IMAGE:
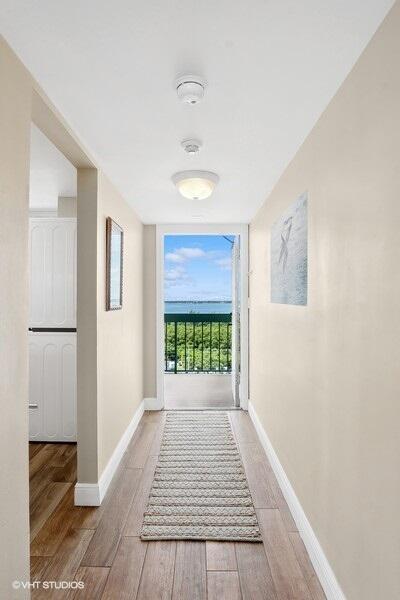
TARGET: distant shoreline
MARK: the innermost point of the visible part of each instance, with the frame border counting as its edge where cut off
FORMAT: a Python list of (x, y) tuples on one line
[(198, 306), (198, 301)]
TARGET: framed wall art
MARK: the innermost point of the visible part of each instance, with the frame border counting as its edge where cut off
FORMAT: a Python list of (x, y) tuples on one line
[(114, 266), (289, 269)]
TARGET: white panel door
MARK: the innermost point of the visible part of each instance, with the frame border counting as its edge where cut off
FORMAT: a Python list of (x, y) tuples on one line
[(52, 387), (52, 272)]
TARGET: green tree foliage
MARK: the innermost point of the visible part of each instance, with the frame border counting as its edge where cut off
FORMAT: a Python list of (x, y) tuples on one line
[(200, 346)]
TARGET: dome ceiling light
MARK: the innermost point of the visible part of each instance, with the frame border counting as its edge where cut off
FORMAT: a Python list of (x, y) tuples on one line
[(195, 185), (190, 88)]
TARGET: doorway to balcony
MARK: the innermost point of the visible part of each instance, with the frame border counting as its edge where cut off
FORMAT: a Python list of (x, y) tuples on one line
[(202, 316)]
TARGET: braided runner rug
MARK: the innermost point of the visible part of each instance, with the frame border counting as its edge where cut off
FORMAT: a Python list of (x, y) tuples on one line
[(199, 490)]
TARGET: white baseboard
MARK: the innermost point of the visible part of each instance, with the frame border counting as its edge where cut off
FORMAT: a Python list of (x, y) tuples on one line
[(92, 494), (152, 404), (87, 494), (321, 565)]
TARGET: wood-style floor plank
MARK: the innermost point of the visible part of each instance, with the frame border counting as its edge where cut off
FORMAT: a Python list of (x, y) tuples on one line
[(190, 571), (223, 585), (257, 476), (156, 443), (90, 516), (39, 483), (39, 565), (124, 577), (94, 579), (34, 448), (64, 454), (304, 561), (103, 547), (45, 504), (301, 555), (134, 521), (139, 450), (153, 416), (158, 572), (138, 432), (246, 434), (56, 527), (279, 497), (42, 458), (315, 588), (243, 427), (221, 556), (288, 578), (66, 472), (65, 563), (254, 572)]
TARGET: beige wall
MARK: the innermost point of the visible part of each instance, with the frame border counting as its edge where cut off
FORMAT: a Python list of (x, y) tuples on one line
[(150, 311), (15, 110), (110, 345), (120, 332), (86, 320), (325, 378), (67, 207)]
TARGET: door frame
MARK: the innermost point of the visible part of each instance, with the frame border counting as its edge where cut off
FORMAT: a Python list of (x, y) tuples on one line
[(238, 229)]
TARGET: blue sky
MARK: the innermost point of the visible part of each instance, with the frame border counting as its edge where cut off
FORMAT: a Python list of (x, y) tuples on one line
[(197, 267)]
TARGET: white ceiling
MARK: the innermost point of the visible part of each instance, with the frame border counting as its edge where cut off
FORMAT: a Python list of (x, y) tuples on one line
[(51, 174), (271, 65)]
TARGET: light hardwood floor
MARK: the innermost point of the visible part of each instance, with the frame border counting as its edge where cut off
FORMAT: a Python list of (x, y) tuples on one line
[(101, 546)]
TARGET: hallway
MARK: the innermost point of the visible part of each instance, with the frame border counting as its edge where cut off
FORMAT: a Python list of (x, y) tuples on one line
[(101, 546), (200, 213)]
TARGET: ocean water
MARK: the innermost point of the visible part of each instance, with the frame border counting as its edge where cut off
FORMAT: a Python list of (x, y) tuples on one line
[(198, 307)]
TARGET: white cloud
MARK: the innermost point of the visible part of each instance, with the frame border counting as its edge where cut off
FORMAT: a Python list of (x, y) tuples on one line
[(191, 252), (181, 255), (175, 273), (174, 257), (176, 276)]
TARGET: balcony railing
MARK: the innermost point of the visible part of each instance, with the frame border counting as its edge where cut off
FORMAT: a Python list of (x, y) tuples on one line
[(198, 343)]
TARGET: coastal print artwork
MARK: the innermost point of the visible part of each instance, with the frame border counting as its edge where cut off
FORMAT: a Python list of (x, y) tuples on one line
[(289, 255)]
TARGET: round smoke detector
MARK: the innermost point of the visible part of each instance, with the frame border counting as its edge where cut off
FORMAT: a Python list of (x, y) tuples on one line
[(190, 88), (191, 147)]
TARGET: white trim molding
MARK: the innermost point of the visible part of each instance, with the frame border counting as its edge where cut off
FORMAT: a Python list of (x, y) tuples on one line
[(92, 494), (87, 494), (43, 213), (152, 404), (317, 556)]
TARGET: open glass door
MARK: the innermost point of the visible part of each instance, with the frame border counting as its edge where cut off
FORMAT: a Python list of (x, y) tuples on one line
[(236, 321)]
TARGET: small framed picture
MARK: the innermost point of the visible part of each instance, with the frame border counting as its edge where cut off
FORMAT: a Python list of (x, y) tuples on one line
[(114, 268)]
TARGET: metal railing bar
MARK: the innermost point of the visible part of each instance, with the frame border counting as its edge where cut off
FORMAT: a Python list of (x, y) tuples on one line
[(219, 346), (193, 341), (166, 346), (185, 347), (229, 334), (202, 346), (197, 317)]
